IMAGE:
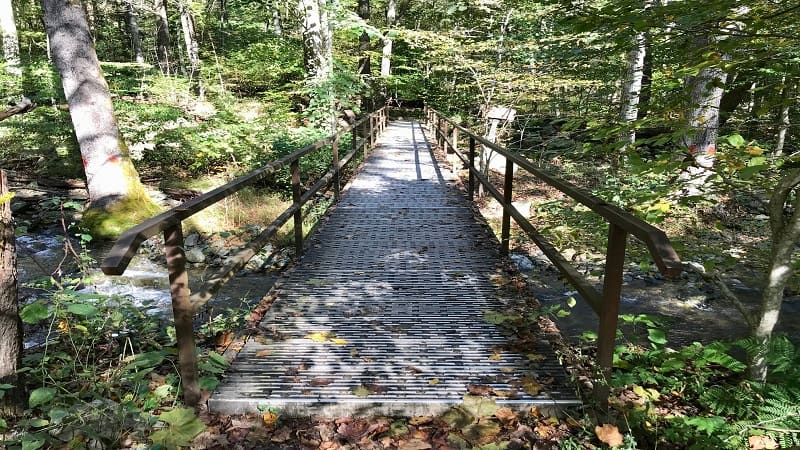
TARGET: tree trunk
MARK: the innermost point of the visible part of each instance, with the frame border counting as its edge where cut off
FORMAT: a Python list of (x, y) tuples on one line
[(277, 25), (133, 29), (10, 323), (326, 26), (647, 80), (783, 120), (632, 86), (162, 36), (364, 63), (190, 38), (315, 39), (10, 40), (785, 235), (705, 93), (386, 58), (111, 179)]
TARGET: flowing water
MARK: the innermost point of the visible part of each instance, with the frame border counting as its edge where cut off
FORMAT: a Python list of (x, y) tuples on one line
[(145, 281)]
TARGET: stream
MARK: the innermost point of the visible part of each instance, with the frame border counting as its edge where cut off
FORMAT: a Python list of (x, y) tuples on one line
[(145, 281)]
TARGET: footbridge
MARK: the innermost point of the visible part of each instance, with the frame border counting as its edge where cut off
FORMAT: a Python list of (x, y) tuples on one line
[(392, 305)]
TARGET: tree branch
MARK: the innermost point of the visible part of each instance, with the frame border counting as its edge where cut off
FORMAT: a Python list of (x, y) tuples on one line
[(23, 106), (715, 279)]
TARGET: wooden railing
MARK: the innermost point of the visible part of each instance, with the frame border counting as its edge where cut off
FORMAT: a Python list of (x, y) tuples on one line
[(621, 224), (184, 303)]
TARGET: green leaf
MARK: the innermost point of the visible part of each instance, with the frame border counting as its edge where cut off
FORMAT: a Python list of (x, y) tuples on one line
[(82, 309), (657, 336), (57, 414), (41, 396), (3, 424), (34, 312), (32, 441), (735, 140), (183, 427), (571, 302), (208, 383), (38, 423), (707, 424)]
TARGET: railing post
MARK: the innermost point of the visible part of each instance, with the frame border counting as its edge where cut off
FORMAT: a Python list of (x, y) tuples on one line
[(505, 233), (371, 131), (336, 180), (183, 314), (439, 132), (454, 148), (609, 313), (298, 215), (365, 136), (354, 136), (471, 168)]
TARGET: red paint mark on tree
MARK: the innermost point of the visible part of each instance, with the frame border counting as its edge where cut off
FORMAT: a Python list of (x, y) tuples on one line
[(113, 159), (711, 150), (85, 163), (692, 149)]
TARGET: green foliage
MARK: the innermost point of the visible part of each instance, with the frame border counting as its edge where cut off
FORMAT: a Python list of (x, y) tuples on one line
[(182, 426), (279, 61), (707, 377)]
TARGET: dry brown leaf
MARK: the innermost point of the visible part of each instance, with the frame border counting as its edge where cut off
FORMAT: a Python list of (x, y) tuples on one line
[(506, 415), (282, 435), (414, 444), (530, 386), (762, 443), (320, 381), (609, 434), (262, 353), (420, 420), (480, 389), (495, 356)]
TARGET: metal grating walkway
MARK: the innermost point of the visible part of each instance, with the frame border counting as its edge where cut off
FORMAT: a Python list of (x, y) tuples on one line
[(384, 312)]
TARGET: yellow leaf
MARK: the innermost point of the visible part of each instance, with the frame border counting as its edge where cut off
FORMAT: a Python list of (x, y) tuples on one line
[(609, 434), (338, 341), (319, 336), (270, 418), (754, 150), (434, 381), (495, 356)]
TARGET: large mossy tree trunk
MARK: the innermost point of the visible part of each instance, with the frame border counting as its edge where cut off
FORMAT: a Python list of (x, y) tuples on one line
[(10, 323), (117, 198)]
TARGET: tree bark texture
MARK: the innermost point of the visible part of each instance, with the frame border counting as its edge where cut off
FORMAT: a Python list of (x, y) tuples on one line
[(133, 29), (364, 63), (386, 58), (10, 323), (783, 119), (632, 86), (190, 38), (785, 235), (162, 36), (110, 175), (315, 39), (10, 39), (705, 93)]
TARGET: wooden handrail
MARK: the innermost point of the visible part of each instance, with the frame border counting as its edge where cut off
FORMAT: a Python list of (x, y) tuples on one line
[(184, 304), (621, 223)]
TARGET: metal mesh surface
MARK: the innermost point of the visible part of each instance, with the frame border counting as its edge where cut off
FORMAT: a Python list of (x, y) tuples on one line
[(384, 314)]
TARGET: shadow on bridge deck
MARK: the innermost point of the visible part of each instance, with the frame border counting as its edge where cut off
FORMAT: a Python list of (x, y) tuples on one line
[(384, 314)]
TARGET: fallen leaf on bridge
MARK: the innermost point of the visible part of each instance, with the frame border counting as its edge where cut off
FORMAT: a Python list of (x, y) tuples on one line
[(414, 444), (320, 381), (480, 389), (262, 353)]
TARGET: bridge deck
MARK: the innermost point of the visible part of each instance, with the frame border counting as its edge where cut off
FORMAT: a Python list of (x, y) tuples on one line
[(384, 314)]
